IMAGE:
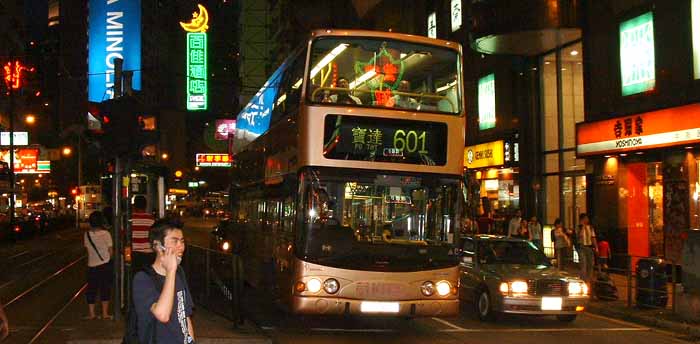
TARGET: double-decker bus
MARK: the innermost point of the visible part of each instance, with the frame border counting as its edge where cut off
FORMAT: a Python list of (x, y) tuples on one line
[(346, 193)]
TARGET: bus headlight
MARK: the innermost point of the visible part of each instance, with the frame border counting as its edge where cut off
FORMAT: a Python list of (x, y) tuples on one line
[(427, 288), (225, 246), (313, 285), (331, 286), (443, 288)]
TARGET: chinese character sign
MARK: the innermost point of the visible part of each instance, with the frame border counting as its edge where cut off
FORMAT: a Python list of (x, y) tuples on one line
[(487, 102), (213, 160), (196, 71), (637, 63)]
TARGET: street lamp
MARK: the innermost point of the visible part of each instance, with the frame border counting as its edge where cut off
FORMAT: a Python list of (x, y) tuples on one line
[(66, 151), (30, 119), (164, 156)]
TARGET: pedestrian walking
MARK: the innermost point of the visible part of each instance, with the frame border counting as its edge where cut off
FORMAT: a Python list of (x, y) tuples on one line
[(534, 230), (587, 247), (160, 293), (141, 222), (562, 243), (98, 243)]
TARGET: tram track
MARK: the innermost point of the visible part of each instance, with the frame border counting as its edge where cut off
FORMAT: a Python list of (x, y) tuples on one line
[(36, 308)]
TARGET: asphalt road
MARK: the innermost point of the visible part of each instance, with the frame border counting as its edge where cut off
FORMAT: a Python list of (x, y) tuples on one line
[(466, 328), (28, 263)]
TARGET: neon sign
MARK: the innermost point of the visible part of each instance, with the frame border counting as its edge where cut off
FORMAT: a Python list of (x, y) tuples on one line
[(13, 74), (637, 66), (213, 160), (487, 102), (197, 59)]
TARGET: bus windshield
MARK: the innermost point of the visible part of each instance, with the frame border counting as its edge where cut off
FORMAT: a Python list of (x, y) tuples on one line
[(361, 219), (384, 73)]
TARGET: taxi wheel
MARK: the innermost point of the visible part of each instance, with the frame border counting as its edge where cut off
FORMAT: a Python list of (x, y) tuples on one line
[(566, 317), (484, 309)]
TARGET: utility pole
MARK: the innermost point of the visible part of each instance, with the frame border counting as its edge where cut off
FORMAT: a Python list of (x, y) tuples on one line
[(12, 142)]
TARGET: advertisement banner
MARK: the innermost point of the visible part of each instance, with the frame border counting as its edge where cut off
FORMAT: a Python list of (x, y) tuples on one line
[(26, 160), (21, 138), (114, 31)]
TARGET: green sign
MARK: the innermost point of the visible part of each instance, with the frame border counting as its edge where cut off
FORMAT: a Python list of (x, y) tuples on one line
[(196, 71), (192, 184), (637, 65), (487, 102)]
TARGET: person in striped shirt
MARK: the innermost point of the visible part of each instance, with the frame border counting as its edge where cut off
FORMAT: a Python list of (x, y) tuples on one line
[(141, 252)]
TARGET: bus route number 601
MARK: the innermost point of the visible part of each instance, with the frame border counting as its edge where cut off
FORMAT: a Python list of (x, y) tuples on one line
[(410, 141)]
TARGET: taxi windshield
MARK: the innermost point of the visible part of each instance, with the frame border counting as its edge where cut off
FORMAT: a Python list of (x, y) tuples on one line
[(384, 73)]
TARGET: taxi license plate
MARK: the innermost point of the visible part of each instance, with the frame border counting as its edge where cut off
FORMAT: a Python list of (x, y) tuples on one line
[(551, 303), (379, 307)]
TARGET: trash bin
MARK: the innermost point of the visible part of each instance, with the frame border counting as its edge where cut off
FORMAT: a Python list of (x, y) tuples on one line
[(651, 282)]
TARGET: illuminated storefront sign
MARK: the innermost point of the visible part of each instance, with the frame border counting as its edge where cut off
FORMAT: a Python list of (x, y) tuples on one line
[(26, 160), (456, 14), (192, 185), (487, 102), (484, 155), (254, 119), (21, 138), (432, 25), (114, 31), (663, 128), (213, 160), (385, 140), (225, 129), (695, 14), (637, 66), (177, 191), (197, 59)]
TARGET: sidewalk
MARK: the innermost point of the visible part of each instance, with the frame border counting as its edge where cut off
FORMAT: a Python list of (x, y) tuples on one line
[(661, 318), (69, 327)]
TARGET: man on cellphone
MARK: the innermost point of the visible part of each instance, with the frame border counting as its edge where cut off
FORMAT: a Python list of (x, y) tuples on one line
[(161, 296)]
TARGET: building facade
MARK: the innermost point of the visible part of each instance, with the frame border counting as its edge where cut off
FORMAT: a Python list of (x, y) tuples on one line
[(640, 138)]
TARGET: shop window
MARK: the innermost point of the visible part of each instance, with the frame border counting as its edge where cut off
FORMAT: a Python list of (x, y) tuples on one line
[(572, 92), (551, 163), (571, 163), (551, 199)]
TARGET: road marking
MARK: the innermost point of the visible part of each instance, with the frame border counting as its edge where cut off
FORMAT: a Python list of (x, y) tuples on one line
[(372, 330), (612, 329), (449, 324), (19, 254), (627, 323)]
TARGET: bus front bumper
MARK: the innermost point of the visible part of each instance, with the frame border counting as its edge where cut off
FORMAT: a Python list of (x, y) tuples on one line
[(405, 308)]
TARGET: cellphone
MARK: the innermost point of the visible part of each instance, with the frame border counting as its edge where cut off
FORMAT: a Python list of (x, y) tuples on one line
[(161, 247)]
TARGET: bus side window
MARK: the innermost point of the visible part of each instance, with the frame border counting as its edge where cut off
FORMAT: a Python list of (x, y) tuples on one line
[(288, 96)]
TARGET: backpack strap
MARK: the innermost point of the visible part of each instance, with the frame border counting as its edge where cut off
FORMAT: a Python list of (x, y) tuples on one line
[(93, 245)]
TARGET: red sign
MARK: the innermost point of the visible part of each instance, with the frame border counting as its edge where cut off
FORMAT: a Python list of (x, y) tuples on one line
[(663, 128), (225, 129), (13, 74), (214, 160), (25, 160)]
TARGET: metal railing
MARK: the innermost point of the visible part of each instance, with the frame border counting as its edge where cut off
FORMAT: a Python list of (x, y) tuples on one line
[(215, 281)]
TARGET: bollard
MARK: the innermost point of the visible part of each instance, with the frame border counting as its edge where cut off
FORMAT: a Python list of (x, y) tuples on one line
[(673, 288), (235, 297), (629, 281)]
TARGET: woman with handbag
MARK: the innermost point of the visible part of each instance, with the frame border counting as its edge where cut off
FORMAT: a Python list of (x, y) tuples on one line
[(98, 243)]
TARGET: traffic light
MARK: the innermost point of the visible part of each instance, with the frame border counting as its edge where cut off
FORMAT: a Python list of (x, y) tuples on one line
[(75, 191), (129, 128)]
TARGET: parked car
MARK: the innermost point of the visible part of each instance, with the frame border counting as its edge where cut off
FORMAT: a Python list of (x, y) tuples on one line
[(508, 275)]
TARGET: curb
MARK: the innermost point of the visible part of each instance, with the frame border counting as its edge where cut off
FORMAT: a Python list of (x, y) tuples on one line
[(680, 328), (240, 339)]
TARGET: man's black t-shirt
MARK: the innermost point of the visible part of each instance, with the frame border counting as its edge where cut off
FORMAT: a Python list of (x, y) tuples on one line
[(146, 294)]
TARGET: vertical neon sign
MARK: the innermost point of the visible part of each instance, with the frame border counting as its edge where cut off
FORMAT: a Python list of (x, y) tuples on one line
[(197, 59)]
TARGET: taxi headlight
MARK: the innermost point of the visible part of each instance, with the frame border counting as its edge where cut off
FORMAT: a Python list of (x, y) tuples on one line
[(443, 288), (518, 287), (313, 285), (427, 288), (331, 286), (578, 288), (503, 288)]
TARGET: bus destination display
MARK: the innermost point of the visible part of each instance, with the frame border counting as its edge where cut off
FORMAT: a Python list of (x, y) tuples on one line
[(385, 140)]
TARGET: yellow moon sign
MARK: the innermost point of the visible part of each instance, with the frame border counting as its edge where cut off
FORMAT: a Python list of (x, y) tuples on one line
[(199, 22)]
